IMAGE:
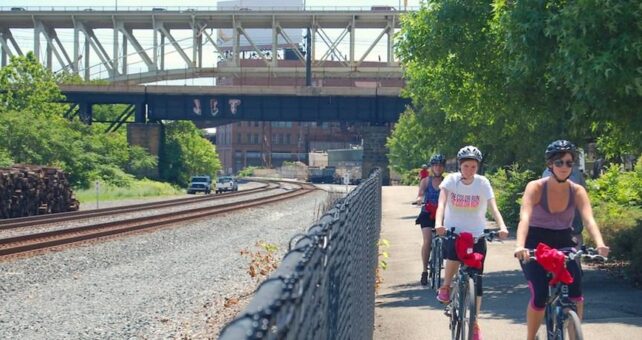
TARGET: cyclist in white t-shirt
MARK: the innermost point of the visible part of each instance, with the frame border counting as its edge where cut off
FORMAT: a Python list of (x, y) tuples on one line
[(463, 200)]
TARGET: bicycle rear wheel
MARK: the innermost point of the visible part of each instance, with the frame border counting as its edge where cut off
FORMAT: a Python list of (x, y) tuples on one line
[(468, 311), (436, 262), (572, 326)]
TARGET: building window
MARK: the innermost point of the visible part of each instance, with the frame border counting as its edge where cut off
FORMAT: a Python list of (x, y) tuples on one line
[(238, 138), (287, 139), (256, 138)]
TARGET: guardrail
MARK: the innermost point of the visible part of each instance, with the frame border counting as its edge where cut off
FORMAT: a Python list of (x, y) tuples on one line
[(324, 287)]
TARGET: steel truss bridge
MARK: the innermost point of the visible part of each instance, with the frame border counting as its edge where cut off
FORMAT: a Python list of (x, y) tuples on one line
[(329, 56)]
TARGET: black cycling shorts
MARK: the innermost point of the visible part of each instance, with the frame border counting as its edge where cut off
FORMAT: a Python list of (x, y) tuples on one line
[(535, 273), (424, 220), (480, 247)]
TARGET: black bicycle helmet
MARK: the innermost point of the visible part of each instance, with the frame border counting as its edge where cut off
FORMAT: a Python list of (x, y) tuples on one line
[(560, 146), (437, 159), (469, 152)]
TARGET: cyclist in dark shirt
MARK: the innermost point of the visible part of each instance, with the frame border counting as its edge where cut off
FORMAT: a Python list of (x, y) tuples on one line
[(428, 197)]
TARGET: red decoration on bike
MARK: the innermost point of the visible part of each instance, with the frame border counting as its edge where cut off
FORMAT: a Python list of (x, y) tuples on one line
[(431, 209), (464, 248), (553, 262)]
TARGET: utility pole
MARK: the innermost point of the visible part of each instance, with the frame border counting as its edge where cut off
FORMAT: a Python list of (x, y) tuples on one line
[(308, 59)]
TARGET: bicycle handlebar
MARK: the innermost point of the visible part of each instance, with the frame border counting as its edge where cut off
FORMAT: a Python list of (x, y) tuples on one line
[(488, 234), (587, 253)]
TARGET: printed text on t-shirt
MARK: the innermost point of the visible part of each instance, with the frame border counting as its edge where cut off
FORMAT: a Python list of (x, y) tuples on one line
[(464, 201)]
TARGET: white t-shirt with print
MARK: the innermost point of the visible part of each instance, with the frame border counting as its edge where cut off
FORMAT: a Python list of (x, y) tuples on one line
[(466, 204)]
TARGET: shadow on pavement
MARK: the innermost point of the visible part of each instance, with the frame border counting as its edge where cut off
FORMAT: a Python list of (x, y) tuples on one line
[(506, 295)]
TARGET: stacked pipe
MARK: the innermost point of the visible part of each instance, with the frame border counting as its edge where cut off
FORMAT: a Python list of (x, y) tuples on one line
[(27, 190)]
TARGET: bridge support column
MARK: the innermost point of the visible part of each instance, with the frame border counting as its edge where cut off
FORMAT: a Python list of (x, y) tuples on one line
[(374, 150), (140, 115), (148, 136), (86, 112)]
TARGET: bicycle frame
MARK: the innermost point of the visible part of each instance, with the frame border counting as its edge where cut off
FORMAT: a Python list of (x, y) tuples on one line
[(559, 308), (554, 314), (463, 305)]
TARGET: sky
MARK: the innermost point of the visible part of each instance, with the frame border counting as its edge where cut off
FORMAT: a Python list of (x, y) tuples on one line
[(364, 38)]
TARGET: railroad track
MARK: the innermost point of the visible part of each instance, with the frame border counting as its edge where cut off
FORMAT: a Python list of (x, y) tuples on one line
[(32, 221), (47, 239)]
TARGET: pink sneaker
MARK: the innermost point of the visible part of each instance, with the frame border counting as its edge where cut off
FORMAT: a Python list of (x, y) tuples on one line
[(477, 333), (444, 294)]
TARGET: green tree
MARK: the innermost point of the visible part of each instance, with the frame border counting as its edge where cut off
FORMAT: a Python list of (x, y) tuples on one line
[(28, 85), (453, 62), (408, 143), (187, 153), (581, 61), (33, 131), (501, 75)]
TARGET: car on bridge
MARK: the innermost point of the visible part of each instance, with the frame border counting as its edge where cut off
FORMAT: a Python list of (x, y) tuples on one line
[(200, 184), (226, 183)]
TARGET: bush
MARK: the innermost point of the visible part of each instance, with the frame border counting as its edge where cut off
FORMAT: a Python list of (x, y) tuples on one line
[(508, 185), (410, 177), (616, 198), (137, 189), (247, 172), (629, 248)]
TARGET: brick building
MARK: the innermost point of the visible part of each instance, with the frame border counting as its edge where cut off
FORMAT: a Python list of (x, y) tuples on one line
[(269, 144)]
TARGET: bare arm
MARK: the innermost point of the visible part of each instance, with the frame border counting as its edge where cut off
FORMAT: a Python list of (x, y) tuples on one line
[(439, 216), (584, 207), (423, 184), (528, 201), (492, 205)]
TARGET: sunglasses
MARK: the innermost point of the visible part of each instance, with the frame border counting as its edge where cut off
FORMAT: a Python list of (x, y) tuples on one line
[(559, 162)]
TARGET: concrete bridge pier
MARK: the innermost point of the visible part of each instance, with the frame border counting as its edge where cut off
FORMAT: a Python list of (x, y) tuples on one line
[(374, 149), (148, 136)]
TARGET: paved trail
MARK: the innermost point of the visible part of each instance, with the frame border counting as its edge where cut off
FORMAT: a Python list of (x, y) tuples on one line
[(406, 310)]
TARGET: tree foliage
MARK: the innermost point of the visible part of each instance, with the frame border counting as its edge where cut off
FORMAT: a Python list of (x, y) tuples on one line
[(187, 153), (26, 84), (510, 76), (33, 131)]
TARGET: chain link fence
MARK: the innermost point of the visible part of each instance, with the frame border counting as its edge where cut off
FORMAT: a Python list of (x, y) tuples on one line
[(324, 287)]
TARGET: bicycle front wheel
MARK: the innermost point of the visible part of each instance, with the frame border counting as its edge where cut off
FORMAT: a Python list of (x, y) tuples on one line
[(455, 321), (572, 326), (468, 310)]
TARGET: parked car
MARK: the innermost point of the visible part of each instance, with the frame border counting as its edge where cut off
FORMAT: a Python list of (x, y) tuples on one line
[(226, 183), (200, 184)]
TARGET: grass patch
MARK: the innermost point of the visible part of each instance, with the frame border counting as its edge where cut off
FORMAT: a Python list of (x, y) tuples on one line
[(138, 189)]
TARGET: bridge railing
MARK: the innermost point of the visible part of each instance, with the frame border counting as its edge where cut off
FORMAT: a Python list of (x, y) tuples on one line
[(204, 8), (325, 285)]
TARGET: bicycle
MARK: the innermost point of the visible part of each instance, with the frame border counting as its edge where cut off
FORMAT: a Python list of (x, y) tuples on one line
[(560, 313), (462, 308), (436, 262)]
